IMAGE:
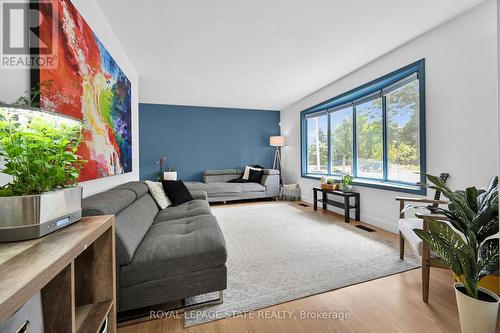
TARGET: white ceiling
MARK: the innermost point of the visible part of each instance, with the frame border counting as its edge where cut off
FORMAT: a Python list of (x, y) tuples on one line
[(261, 54)]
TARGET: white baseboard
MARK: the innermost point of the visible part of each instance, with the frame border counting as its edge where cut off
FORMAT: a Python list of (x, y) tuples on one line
[(382, 224)]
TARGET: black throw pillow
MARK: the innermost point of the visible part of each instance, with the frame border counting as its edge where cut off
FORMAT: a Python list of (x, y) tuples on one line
[(176, 191), (238, 180), (255, 176)]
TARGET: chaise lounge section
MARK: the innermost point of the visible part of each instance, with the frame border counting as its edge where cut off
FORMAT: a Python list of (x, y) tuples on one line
[(162, 255), (216, 185)]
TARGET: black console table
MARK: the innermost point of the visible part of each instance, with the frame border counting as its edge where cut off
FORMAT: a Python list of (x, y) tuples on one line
[(346, 204)]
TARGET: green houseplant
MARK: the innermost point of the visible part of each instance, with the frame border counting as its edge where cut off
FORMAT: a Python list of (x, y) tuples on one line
[(38, 150), (40, 156), (169, 174), (346, 182), (468, 245)]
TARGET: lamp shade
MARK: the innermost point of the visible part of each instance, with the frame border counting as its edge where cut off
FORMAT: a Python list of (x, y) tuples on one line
[(277, 141)]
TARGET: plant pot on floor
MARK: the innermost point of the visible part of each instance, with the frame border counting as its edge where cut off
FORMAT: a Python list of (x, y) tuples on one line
[(477, 315), (170, 175)]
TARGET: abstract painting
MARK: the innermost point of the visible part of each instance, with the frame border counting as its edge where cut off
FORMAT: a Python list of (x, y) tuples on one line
[(88, 84)]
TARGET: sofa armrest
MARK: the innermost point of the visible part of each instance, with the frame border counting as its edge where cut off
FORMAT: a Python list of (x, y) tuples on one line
[(271, 180), (271, 172), (198, 194)]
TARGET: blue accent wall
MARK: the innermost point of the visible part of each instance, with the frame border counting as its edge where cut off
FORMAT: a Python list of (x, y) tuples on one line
[(195, 138)]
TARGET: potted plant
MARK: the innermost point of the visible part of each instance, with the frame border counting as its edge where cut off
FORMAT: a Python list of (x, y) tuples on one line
[(329, 184), (469, 246), (39, 152), (170, 174), (160, 163), (346, 183)]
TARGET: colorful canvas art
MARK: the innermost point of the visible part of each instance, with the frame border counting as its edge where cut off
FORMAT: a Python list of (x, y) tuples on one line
[(88, 84)]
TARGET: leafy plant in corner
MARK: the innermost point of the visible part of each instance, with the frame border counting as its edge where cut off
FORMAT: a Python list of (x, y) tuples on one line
[(40, 156), (467, 248)]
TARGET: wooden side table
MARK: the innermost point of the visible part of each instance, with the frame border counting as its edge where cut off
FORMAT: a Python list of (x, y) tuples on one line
[(346, 204), (73, 269)]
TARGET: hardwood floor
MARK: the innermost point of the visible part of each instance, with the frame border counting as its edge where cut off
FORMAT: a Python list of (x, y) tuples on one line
[(390, 304)]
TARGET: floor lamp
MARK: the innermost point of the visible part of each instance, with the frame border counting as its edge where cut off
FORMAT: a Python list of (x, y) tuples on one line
[(278, 142)]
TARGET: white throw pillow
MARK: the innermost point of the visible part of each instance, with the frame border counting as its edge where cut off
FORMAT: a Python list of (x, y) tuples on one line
[(246, 174), (156, 190)]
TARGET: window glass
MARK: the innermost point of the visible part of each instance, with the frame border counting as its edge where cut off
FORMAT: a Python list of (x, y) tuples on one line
[(317, 145), (341, 141), (369, 139), (403, 133)]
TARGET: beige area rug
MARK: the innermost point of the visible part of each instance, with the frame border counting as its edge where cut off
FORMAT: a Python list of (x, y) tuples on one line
[(278, 253)]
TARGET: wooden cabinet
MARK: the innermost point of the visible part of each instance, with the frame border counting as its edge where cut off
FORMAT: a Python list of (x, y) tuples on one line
[(73, 268)]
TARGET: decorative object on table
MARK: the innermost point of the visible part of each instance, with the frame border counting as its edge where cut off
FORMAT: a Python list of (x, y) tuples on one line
[(39, 151), (345, 205), (469, 249), (176, 192), (278, 142), (330, 185), (170, 174), (290, 192), (161, 162), (346, 182), (87, 84)]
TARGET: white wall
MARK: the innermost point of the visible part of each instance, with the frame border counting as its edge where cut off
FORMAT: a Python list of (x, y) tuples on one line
[(14, 83), (461, 108)]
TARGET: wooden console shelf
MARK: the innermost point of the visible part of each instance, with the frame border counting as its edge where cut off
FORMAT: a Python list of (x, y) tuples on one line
[(73, 269)]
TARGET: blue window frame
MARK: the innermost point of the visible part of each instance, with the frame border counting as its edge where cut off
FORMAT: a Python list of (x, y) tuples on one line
[(375, 132)]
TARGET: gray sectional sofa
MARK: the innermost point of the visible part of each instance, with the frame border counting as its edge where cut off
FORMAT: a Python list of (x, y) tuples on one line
[(215, 184), (162, 255)]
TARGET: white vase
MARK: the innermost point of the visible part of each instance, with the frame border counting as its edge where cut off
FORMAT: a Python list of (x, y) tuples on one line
[(476, 316), (170, 175)]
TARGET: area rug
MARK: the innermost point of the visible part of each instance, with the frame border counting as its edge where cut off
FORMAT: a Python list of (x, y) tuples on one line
[(278, 252)]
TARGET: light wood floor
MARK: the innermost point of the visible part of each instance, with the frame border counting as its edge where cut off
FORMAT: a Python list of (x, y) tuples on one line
[(390, 304)]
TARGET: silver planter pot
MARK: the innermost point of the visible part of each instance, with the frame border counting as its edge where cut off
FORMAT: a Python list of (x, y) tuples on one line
[(32, 216)]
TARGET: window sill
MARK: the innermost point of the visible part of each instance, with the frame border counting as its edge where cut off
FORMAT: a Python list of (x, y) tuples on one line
[(379, 184)]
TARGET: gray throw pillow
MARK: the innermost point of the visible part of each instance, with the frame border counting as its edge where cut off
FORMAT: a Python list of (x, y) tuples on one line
[(158, 194)]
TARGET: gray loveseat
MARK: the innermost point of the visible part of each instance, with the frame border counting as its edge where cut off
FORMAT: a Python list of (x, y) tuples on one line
[(162, 255), (215, 184)]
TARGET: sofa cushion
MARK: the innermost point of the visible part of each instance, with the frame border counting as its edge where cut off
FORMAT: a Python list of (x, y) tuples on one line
[(222, 172), (214, 188), (132, 224), (158, 194), (139, 188), (196, 186), (201, 195), (107, 203), (252, 187), (176, 191), (221, 176), (187, 209), (174, 248)]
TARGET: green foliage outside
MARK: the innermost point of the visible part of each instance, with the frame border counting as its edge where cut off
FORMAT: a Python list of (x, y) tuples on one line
[(403, 141), (40, 156)]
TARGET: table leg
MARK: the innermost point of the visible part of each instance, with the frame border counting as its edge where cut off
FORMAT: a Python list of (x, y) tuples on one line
[(347, 218), (324, 199), (356, 198), (315, 199)]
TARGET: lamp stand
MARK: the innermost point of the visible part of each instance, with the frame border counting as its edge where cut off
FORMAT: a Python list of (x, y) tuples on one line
[(277, 161)]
